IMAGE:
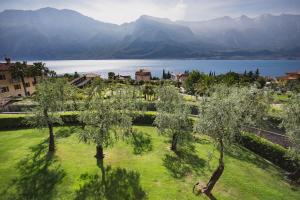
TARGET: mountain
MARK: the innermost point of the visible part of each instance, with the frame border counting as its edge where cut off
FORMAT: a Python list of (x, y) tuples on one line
[(50, 33)]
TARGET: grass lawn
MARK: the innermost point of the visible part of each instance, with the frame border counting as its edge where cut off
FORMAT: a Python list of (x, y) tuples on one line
[(147, 168)]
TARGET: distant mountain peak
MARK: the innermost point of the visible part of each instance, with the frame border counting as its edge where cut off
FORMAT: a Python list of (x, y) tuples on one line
[(151, 18)]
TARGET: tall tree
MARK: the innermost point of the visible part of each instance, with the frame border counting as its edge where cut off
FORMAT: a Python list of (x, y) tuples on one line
[(291, 123), (223, 115), (191, 81), (19, 71), (172, 118), (48, 104), (38, 69)]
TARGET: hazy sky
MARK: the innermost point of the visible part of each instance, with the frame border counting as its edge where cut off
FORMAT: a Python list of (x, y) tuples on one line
[(120, 11)]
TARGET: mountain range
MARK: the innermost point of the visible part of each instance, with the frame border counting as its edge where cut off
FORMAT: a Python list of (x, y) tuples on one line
[(49, 33)]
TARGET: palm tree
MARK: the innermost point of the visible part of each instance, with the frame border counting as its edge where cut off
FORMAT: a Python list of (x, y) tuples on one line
[(38, 69), (19, 71)]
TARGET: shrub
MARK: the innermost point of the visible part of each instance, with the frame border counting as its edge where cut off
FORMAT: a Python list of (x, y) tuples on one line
[(268, 150)]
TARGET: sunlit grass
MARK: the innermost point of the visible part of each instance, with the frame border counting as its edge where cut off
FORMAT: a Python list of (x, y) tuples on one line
[(163, 174)]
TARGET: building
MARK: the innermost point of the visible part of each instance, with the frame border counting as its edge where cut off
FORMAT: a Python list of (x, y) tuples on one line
[(181, 77), (84, 80), (122, 77), (290, 76), (142, 75), (12, 87)]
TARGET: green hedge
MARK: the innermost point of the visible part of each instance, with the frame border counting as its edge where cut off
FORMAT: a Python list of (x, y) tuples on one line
[(268, 150), (68, 119)]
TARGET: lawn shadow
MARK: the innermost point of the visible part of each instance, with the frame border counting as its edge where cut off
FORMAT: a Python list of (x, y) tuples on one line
[(64, 132), (112, 184), (184, 162), (141, 142), (243, 154), (39, 173)]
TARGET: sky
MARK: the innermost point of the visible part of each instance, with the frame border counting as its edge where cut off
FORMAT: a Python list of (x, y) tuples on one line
[(121, 11)]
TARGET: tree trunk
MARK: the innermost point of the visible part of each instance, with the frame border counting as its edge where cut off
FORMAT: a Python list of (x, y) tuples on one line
[(24, 87), (99, 152), (217, 173), (51, 138), (51, 134), (174, 142)]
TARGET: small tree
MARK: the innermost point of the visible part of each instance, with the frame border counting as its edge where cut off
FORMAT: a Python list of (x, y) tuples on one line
[(291, 123), (172, 118), (223, 115), (48, 102), (106, 119)]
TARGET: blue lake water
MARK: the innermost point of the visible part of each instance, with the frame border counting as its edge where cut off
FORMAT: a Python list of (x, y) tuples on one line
[(128, 67)]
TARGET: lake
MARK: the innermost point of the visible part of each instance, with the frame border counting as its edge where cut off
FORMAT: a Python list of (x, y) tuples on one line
[(128, 67)]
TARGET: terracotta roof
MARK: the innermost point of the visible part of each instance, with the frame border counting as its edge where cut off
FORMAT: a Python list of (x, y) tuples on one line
[(293, 73)]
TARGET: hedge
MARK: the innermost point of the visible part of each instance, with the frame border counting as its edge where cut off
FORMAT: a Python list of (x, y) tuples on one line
[(68, 119), (268, 150)]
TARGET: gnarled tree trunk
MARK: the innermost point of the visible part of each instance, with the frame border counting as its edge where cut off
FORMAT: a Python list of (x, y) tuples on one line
[(216, 175)]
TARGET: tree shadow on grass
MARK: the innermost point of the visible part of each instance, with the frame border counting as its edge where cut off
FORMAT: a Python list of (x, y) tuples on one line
[(112, 184), (142, 142), (184, 162), (40, 172), (243, 154)]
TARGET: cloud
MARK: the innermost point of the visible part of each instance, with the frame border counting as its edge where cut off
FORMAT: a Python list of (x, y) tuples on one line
[(120, 11)]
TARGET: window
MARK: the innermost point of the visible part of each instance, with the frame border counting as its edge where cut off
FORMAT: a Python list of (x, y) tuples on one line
[(17, 87), (4, 89), (33, 82), (27, 84), (2, 77)]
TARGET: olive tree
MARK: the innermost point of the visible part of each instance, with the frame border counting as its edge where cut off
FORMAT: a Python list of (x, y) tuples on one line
[(106, 119), (172, 118), (48, 99), (291, 123), (223, 115)]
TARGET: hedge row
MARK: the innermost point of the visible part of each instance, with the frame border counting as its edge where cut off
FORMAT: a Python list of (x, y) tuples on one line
[(148, 106), (68, 119), (268, 150)]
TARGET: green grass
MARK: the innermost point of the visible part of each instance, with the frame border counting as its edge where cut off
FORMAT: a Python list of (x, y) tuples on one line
[(161, 173)]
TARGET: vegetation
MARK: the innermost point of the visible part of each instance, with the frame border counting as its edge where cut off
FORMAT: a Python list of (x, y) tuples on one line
[(291, 122), (223, 116), (173, 116), (50, 99), (27, 172), (139, 164)]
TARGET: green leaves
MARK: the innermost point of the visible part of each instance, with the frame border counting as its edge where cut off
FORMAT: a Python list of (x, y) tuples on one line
[(224, 114)]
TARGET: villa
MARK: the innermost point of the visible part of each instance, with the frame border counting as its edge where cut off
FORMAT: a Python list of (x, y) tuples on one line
[(142, 75), (12, 87)]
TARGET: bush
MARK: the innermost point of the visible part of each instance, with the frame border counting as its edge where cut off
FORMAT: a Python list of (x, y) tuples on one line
[(268, 150)]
